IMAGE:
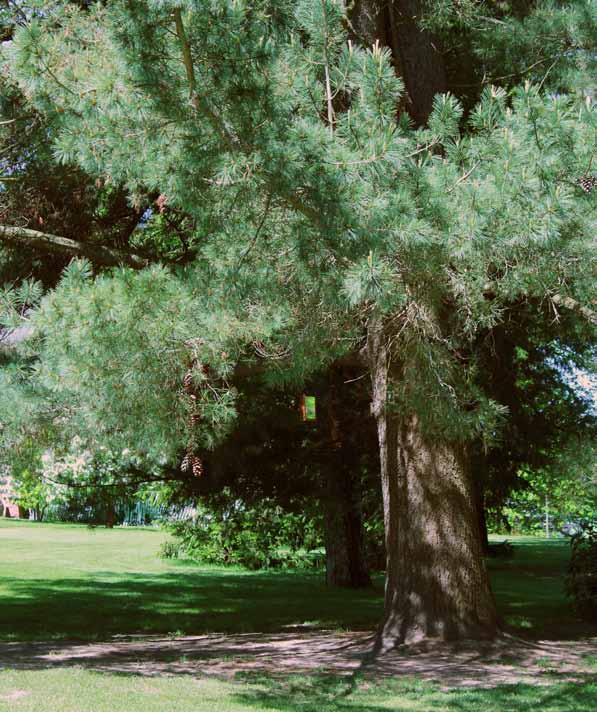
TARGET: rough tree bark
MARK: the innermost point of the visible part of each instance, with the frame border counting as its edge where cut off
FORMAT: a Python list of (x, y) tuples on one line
[(436, 582), (346, 563), (482, 519), (478, 465), (421, 60), (417, 52)]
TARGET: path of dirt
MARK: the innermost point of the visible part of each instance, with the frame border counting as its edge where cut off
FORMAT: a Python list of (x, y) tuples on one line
[(507, 661)]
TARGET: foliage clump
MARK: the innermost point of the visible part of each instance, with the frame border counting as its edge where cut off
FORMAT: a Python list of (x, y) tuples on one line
[(256, 537), (581, 582)]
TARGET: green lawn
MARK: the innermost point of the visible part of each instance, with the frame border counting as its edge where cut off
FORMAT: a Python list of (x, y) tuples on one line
[(78, 690), (529, 589), (67, 581), (70, 581)]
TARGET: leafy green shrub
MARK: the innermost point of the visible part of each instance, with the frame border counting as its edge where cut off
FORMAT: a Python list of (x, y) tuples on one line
[(581, 582), (169, 550), (257, 537)]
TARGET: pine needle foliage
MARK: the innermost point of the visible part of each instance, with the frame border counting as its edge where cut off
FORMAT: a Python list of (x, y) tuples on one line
[(315, 205)]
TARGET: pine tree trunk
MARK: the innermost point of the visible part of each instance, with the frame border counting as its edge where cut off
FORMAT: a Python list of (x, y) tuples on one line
[(417, 52), (343, 518), (387, 431), (436, 582), (110, 514), (421, 60), (344, 540)]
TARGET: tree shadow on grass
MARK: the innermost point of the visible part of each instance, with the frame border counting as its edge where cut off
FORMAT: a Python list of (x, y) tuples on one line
[(195, 602), (350, 694), (284, 655), (186, 602), (530, 591)]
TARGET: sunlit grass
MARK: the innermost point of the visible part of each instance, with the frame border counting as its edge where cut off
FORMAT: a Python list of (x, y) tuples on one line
[(67, 581), (70, 581), (77, 690)]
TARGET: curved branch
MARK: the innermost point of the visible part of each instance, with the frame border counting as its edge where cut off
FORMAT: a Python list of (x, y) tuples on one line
[(573, 305), (56, 244), (561, 300)]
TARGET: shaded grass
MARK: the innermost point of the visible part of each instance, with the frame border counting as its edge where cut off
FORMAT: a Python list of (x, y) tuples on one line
[(67, 581), (70, 581), (529, 590), (333, 694)]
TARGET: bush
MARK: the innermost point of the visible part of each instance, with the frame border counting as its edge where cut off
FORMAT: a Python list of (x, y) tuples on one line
[(257, 537), (170, 550), (581, 582)]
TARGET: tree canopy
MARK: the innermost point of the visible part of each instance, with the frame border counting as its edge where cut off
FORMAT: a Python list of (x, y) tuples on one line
[(322, 206)]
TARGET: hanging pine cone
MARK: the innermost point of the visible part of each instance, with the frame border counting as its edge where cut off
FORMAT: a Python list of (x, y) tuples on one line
[(587, 183), (191, 462), (197, 466), (187, 381)]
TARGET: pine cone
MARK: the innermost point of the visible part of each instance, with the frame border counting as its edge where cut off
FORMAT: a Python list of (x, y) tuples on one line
[(187, 381), (197, 466), (587, 183)]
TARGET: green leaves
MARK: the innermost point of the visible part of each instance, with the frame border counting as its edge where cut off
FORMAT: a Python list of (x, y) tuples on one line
[(490, 110), (75, 274), (370, 281), (322, 21), (119, 346)]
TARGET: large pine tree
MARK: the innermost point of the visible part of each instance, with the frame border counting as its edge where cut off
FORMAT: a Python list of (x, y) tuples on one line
[(335, 208)]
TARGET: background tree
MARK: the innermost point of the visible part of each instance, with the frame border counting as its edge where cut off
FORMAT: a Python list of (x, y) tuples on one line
[(273, 454), (527, 369)]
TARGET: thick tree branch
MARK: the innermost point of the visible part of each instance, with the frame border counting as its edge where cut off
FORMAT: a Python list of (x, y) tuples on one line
[(573, 305), (560, 300), (56, 244)]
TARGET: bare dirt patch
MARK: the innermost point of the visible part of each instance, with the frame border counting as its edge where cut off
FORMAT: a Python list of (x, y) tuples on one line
[(508, 660)]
